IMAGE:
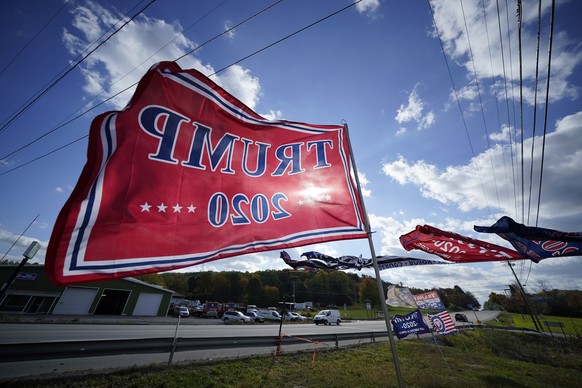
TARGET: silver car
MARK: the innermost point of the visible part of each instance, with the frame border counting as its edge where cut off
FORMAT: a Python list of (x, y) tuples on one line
[(235, 316)]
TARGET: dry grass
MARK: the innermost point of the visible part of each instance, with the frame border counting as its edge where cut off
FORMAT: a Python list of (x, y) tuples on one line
[(480, 358)]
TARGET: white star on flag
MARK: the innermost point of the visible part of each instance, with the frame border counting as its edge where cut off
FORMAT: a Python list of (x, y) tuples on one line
[(162, 208), (177, 208), (145, 207), (191, 209)]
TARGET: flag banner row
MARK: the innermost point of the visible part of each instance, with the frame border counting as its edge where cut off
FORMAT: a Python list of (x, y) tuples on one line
[(315, 261), (187, 174)]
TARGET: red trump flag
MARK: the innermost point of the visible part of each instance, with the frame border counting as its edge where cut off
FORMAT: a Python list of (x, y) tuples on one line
[(187, 174), (455, 247)]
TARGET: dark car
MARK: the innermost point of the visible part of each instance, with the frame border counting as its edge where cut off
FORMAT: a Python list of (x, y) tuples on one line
[(461, 317)]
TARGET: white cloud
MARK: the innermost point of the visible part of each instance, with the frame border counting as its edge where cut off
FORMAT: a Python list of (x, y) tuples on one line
[(487, 60), (59, 189), (369, 7), (20, 244), (414, 111), (227, 27), (273, 115), (124, 58), (239, 81), (503, 136), (363, 183), (486, 181)]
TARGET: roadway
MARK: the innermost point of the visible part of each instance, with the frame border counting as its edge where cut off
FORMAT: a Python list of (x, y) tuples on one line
[(188, 328)]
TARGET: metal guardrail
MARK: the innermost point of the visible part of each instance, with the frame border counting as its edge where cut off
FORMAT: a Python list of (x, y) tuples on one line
[(75, 349)]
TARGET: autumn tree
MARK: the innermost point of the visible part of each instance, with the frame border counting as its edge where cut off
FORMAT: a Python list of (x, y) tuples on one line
[(369, 291)]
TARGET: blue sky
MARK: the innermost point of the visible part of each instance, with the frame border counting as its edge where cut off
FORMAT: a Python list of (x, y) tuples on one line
[(378, 65)]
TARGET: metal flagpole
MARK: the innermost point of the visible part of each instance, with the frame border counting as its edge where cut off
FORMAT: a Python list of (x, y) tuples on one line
[(375, 263)]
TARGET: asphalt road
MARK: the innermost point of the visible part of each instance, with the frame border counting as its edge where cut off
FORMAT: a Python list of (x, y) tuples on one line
[(107, 328)]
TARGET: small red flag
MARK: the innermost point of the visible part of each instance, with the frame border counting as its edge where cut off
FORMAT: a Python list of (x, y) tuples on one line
[(187, 174)]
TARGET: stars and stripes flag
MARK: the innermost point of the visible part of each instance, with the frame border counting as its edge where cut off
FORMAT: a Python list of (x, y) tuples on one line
[(187, 174), (535, 243), (442, 322), (455, 247)]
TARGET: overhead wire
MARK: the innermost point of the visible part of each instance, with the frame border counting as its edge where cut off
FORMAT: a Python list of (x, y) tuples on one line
[(509, 126), (507, 185), (33, 38), (546, 107), (216, 72), (476, 79), (535, 105), (37, 95), (551, 33), (90, 103), (519, 25), (74, 66), (120, 92), (458, 103)]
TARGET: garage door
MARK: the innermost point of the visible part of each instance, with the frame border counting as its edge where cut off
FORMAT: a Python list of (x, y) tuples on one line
[(75, 300), (147, 304)]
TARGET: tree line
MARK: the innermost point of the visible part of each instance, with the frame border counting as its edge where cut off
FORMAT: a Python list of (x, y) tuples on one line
[(267, 288), (567, 303)]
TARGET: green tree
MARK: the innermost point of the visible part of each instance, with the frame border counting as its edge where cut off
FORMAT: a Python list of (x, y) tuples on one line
[(271, 296), (340, 288), (254, 291), (203, 286), (369, 291), (153, 278), (221, 288), (176, 282)]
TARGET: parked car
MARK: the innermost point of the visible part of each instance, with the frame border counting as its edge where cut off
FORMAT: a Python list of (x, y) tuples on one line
[(298, 317), (270, 315), (461, 317), (181, 312), (255, 317), (327, 317), (235, 316), (288, 316)]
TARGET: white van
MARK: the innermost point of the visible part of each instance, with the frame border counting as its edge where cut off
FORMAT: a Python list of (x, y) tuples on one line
[(327, 317)]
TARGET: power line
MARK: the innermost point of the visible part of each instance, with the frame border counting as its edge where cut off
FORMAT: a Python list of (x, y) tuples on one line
[(33, 38), (288, 36), (546, 108), (89, 103), (507, 97), (480, 99), (198, 47), (46, 89), (458, 102), (533, 136), (134, 84)]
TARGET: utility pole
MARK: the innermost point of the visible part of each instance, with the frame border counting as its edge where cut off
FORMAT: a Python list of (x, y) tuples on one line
[(28, 254), (528, 306)]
